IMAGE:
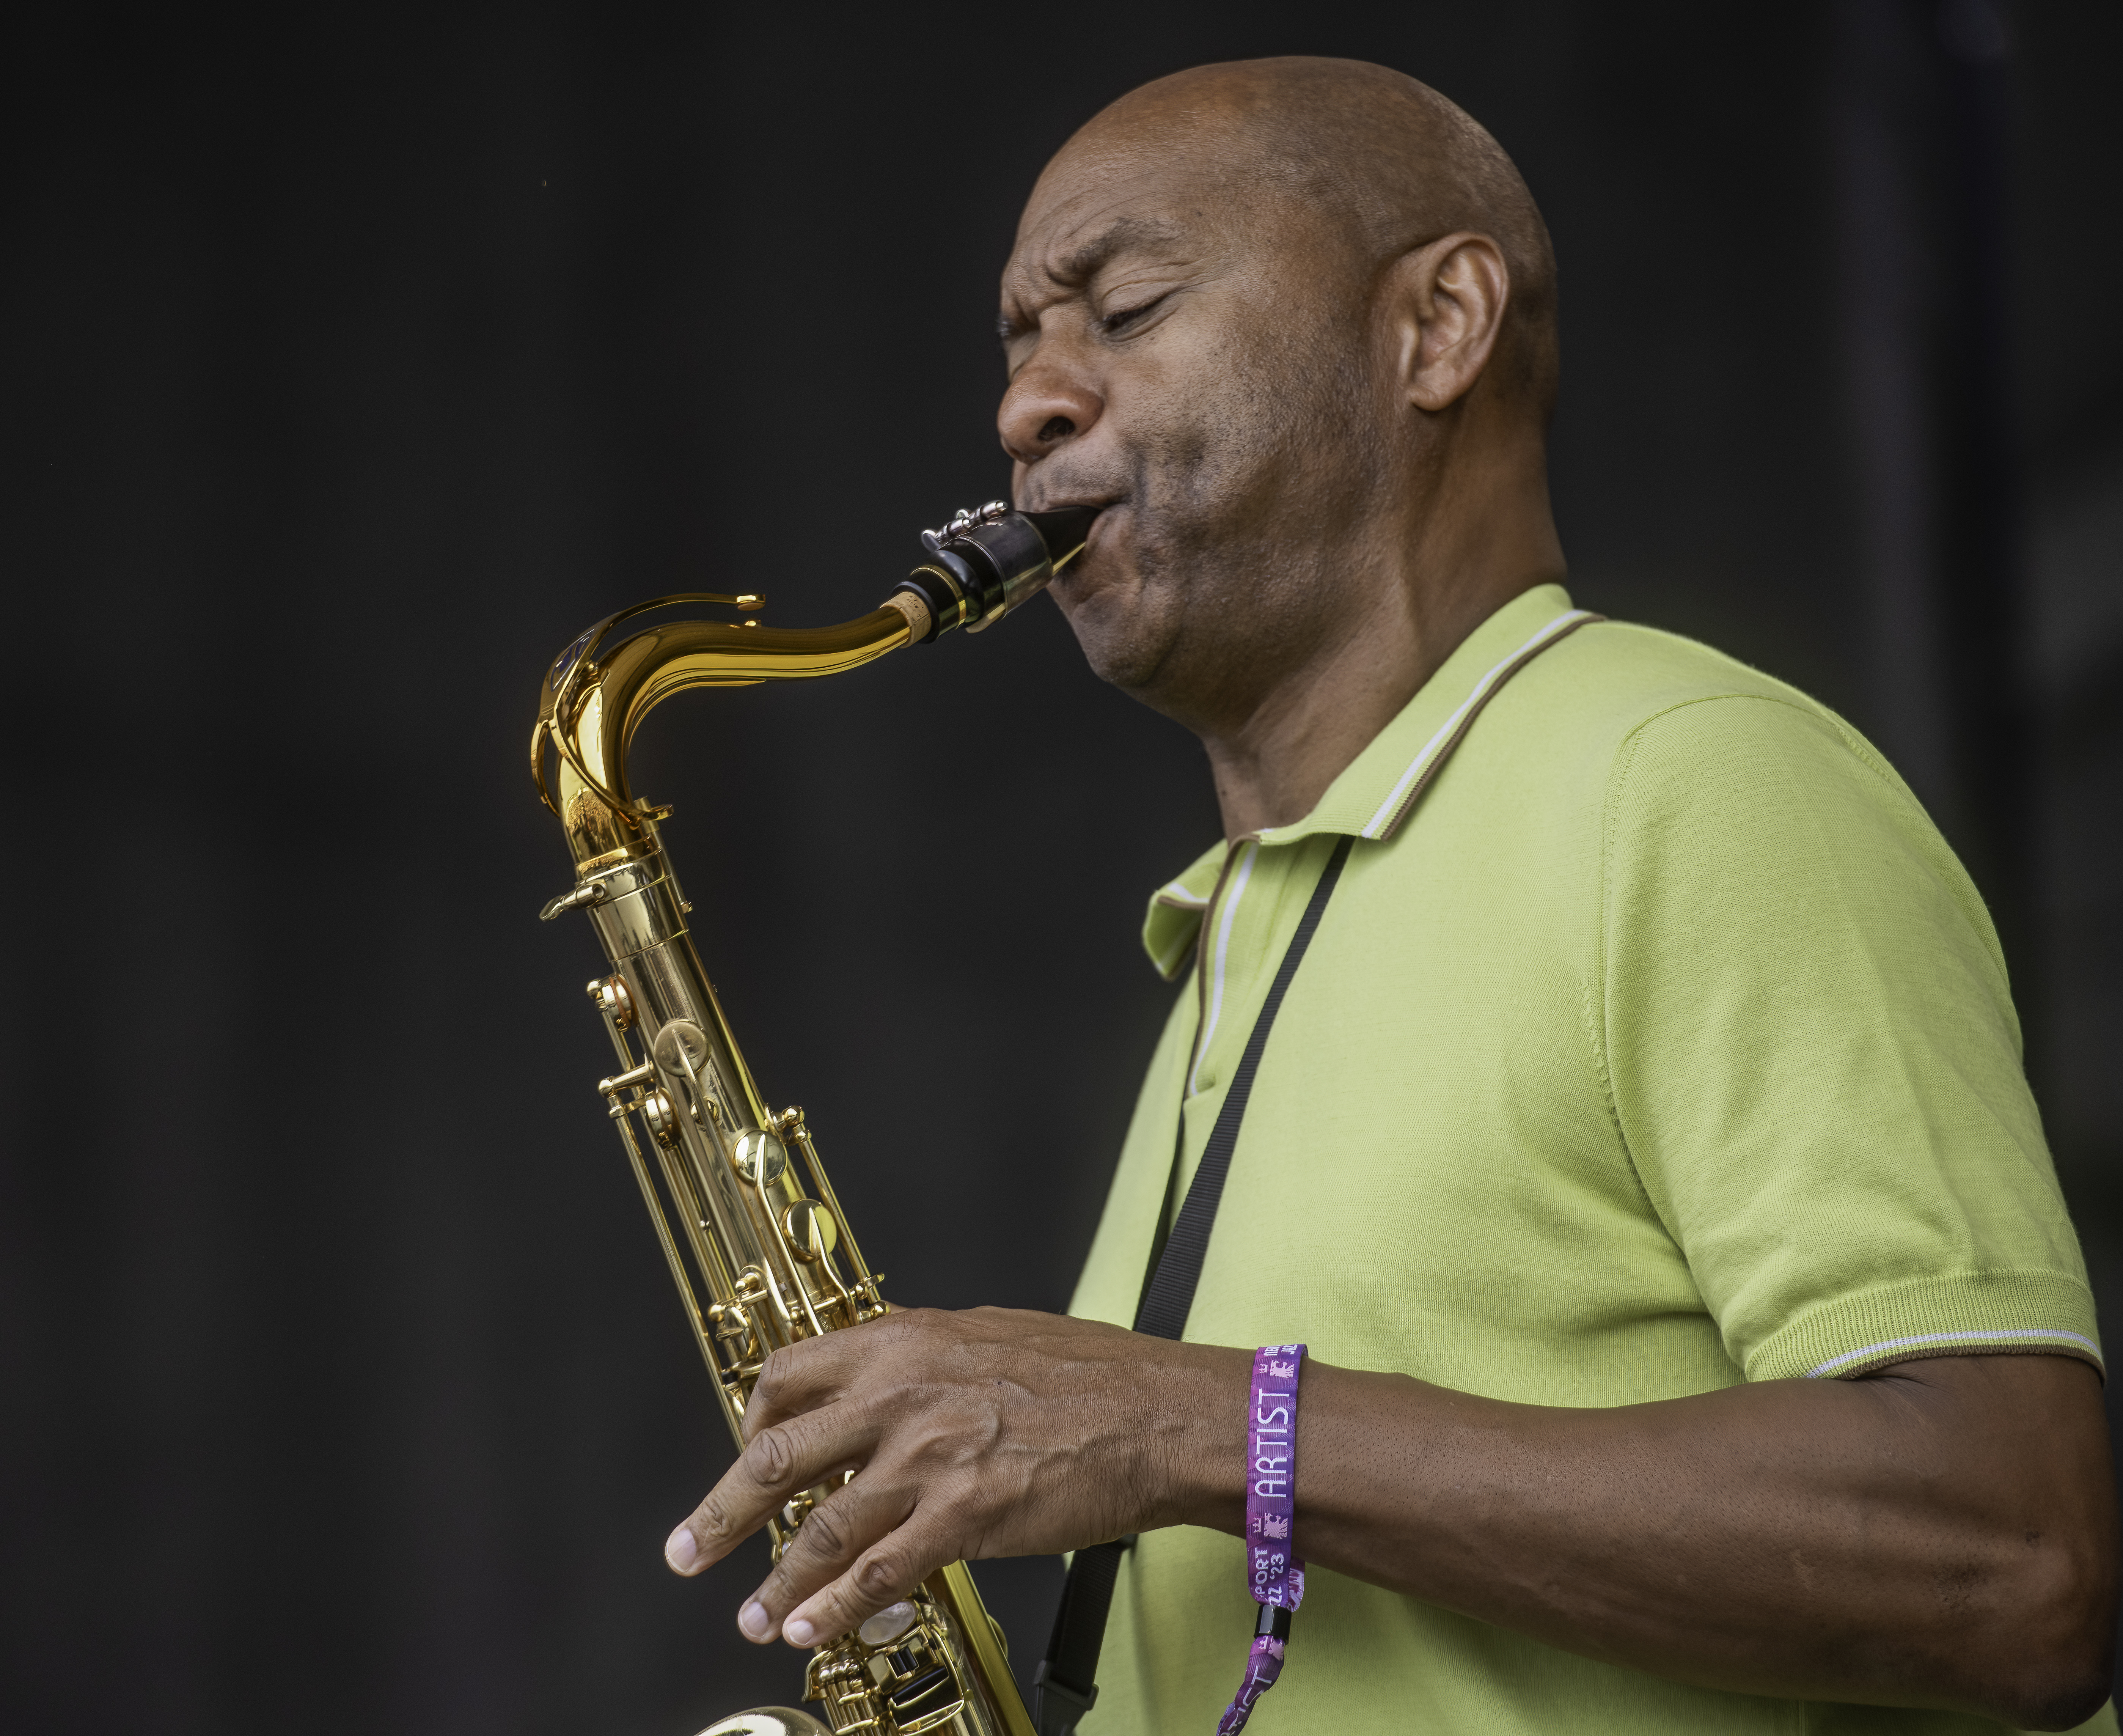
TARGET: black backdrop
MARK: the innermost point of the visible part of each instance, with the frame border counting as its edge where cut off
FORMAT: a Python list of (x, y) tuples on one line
[(354, 362)]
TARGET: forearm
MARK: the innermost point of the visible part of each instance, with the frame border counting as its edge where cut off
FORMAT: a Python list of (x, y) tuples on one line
[(1832, 1540), (1943, 1536)]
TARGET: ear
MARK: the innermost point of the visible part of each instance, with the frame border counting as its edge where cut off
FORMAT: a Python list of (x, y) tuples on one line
[(1444, 303)]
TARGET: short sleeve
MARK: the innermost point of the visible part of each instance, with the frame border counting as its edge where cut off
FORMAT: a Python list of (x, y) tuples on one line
[(1813, 1057)]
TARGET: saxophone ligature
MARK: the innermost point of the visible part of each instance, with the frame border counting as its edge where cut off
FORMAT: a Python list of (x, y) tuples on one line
[(757, 1246)]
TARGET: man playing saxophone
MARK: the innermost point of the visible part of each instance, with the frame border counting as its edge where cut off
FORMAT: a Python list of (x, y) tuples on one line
[(1697, 1338)]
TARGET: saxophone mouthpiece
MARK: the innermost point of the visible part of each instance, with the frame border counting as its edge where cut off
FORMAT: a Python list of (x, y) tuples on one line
[(982, 565), (1064, 531)]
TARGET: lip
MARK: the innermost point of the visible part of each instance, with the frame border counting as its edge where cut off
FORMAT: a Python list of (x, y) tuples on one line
[(1101, 510), (1066, 501)]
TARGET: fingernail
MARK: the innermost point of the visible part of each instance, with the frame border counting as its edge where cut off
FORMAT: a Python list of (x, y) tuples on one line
[(681, 1550), (797, 1631), (753, 1619)]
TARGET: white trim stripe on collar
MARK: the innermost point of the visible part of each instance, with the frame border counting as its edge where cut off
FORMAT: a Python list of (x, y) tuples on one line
[(1395, 808), (1252, 849)]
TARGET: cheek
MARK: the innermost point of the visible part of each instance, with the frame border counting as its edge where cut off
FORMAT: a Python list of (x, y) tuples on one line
[(1214, 425), (1171, 396)]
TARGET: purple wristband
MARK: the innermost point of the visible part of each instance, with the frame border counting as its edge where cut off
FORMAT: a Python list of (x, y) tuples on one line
[(1274, 1575)]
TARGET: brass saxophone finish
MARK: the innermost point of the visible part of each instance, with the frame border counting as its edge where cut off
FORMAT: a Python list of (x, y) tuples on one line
[(758, 1247)]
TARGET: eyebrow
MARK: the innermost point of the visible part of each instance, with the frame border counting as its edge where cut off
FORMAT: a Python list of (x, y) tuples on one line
[(1119, 236), (1075, 269)]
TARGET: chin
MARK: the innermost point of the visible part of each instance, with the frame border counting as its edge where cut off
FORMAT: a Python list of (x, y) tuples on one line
[(1115, 639)]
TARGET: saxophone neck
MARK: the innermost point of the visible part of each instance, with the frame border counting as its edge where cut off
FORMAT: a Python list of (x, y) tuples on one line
[(590, 713), (981, 566)]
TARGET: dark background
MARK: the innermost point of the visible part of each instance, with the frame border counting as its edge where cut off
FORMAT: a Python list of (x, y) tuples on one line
[(353, 362)]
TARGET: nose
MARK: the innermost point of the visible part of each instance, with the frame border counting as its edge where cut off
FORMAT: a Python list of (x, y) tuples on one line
[(1045, 405)]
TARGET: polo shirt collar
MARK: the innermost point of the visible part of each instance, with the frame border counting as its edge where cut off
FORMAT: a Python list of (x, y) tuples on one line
[(1377, 791)]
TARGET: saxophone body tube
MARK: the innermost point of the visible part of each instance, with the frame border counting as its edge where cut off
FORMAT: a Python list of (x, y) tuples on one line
[(759, 1251)]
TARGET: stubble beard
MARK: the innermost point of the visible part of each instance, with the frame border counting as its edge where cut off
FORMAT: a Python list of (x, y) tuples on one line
[(1239, 510)]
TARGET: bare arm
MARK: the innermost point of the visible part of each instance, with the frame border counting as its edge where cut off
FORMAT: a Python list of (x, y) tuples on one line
[(1940, 1535), (1943, 1535)]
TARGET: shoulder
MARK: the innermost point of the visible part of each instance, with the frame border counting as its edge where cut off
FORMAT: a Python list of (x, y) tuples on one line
[(1660, 750), (1614, 699), (1676, 721), (1720, 787), (1624, 675)]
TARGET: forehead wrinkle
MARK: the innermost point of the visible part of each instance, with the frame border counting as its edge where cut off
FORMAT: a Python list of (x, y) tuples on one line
[(1069, 268), (1122, 235)]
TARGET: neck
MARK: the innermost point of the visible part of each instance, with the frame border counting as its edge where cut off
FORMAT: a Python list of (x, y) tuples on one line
[(1422, 590)]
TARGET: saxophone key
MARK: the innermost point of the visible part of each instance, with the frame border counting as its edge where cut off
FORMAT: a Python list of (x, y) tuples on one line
[(632, 1077), (613, 1001), (663, 1119), (810, 1230), (759, 1156)]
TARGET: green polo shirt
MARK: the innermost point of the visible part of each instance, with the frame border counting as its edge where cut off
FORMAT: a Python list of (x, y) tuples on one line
[(1656, 1042)]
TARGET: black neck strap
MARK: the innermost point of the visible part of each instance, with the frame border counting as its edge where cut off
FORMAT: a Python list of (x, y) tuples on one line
[(1066, 1682)]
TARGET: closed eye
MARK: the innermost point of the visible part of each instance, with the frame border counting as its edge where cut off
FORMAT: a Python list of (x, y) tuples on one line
[(1121, 319)]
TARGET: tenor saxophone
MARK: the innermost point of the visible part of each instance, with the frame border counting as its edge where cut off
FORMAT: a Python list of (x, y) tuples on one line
[(758, 1247)]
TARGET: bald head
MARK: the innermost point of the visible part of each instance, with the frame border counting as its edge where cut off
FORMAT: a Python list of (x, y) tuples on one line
[(1385, 159), (1290, 325)]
